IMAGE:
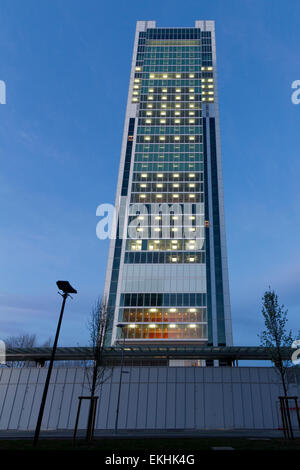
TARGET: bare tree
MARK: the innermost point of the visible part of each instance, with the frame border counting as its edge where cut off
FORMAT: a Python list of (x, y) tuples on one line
[(96, 371), (276, 336), (24, 340)]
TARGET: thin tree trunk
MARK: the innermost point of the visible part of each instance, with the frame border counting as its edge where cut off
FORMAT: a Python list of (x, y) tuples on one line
[(91, 424)]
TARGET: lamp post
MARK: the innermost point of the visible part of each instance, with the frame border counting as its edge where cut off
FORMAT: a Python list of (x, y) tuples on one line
[(120, 325), (67, 289)]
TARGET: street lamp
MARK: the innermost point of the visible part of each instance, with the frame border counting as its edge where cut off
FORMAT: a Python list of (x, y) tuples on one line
[(120, 325), (67, 289)]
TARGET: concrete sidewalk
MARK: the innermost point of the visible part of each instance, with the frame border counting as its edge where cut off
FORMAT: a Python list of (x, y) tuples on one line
[(258, 434)]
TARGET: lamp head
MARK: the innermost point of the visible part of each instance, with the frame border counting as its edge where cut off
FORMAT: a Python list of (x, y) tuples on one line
[(66, 287)]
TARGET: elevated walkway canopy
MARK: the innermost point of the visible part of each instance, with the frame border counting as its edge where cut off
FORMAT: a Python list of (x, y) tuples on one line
[(146, 352)]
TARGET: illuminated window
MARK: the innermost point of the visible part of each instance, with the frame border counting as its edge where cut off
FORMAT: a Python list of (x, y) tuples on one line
[(191, 185), (143, 185), (177, 97), (150, 97), (177, 121), (159, 175), (164, 90), (175, 175), (174, 260), (162, 121), (191, 121), (144, 175), (148, 121), (151, 90), (191, 75), (159, 185), (149, 105), (192, 175)]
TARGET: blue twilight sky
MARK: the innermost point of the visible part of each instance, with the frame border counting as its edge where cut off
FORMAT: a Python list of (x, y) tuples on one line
[(66, 66)]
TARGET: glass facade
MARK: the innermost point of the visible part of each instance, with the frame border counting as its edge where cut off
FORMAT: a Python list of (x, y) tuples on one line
[(167, 270)]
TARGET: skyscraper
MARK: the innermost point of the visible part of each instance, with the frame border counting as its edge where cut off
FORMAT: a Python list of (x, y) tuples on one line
[(167, 275)]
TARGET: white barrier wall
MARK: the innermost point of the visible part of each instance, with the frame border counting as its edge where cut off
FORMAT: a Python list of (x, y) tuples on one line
[(151, 398)]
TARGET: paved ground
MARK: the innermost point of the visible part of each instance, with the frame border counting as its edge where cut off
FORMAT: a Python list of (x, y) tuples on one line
[(259, 434)]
